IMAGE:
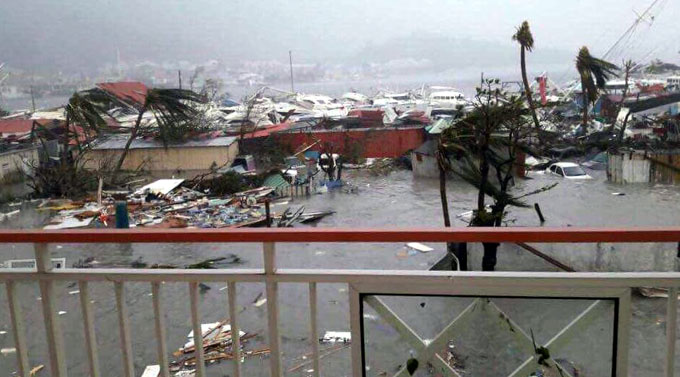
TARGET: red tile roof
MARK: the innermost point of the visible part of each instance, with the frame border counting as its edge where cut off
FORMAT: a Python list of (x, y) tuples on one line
[(266, 131), (15, 126), (133, 92)]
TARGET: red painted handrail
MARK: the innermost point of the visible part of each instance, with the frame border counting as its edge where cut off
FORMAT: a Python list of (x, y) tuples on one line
[(502, 234)]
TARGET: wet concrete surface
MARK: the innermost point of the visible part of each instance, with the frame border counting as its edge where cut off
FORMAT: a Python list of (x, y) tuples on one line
[(394, 200)]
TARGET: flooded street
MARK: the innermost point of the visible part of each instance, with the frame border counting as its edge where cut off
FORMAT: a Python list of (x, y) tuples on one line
[(394, 200)]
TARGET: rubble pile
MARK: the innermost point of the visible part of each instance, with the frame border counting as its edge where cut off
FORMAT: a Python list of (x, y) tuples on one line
[(217, 346)]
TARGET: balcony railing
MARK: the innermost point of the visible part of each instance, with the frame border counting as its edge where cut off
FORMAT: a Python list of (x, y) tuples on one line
[(364, 287)]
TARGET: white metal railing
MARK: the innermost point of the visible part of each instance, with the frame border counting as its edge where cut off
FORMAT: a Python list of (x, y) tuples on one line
[(363, 286)]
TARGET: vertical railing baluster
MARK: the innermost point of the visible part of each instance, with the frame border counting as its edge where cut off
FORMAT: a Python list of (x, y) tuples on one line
[(355, 328), (272, 308), (314, 328), (623, 334), (88, 322), (671, 330), (235, 331), (159, 322), (124, 330), (18, 329), (55, 344), (198, 333)]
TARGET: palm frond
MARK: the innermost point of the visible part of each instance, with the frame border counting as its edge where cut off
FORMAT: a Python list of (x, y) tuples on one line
[(174, 111), (523, 36)]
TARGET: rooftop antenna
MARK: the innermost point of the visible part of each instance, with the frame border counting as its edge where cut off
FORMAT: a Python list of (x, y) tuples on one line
[(120, 70), (290, 59)]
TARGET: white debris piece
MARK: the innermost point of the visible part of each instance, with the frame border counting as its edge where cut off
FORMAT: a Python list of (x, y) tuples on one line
[(151, 371), (337, 337), (207, 328), (61, 312), (69, 223), (7, 351), (419, 246), (160, 187)]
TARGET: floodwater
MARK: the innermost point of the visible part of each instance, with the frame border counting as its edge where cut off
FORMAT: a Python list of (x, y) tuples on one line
[(394, 200)]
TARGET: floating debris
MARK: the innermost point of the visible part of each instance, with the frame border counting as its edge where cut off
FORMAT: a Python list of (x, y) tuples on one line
[(336, 337), (420, 247), (8, 351), (151, 371), (217, 346)]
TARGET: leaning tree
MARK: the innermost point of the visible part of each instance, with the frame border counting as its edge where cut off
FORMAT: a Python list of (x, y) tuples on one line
[(482, 148)]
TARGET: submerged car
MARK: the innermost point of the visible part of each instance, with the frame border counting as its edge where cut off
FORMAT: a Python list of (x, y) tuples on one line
[(568, 170)]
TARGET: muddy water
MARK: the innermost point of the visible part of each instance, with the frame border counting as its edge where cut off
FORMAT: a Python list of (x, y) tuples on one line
[(381, 201)]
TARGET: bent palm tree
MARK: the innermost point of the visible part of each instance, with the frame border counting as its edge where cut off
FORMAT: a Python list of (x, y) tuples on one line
[(594, 74), (173, 111), (526, 41)]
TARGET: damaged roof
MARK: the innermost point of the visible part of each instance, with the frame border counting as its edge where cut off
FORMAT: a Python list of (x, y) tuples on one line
[(132, 92), (118, 142)]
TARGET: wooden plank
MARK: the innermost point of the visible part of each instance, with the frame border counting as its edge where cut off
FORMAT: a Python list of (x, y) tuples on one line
[(469, 234)]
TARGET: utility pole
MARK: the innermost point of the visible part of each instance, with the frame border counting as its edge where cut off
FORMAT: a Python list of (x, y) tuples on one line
[(32, 99), (179, 75), (290, 59)]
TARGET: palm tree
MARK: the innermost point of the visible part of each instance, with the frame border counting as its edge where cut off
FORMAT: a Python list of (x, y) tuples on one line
[(526, 42), (485, 143), (594, 74), (173, 112)]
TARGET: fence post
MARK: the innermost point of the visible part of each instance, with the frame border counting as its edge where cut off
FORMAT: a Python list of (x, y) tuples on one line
[(272, 308), (55, 344)]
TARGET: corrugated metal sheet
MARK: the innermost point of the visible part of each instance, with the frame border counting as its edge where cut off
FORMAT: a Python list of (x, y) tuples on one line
[(118, 142), (276, 181)]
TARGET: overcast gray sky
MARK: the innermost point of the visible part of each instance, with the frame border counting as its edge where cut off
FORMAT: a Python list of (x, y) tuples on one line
[(86, 33)]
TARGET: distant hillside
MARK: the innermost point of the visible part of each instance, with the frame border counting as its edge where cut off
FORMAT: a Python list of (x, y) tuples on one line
[(659, 67), (441, 52)]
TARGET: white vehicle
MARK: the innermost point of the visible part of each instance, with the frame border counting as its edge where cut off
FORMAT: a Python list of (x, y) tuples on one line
[(568, 170)]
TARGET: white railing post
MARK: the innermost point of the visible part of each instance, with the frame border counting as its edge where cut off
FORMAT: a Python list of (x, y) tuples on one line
[(235, 331), (88, 322), (159, 323), (355, 318), (55, 344), (623, 334), (18, 329), (198, 332), (272, 308), (671, 330), (124, 330), (314, 328)]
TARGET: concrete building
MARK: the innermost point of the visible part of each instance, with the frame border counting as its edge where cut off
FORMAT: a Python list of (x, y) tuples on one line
[(17, 160), (179, 159)]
